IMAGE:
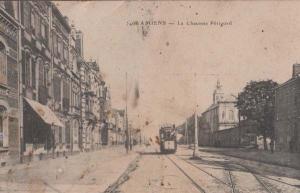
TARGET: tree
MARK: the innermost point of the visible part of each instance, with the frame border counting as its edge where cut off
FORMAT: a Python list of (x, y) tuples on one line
[(256, 102)]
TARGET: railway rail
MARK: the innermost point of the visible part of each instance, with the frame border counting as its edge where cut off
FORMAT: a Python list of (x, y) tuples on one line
[(199, 188), (230, 184)]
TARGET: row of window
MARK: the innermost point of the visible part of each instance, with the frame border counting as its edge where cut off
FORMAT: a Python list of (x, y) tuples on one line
[(60, 49), (36, 75), (34, 23), (63, 94), (34, 70)]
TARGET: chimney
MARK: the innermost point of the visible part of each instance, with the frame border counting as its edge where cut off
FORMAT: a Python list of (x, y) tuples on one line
[(296, 70)]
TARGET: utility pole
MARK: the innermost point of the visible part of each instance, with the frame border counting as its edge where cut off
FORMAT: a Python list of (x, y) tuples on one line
[(196, 119), (196, 134), (126, 118)]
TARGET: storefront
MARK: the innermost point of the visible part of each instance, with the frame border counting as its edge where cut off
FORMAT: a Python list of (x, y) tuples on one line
[(41, 126)]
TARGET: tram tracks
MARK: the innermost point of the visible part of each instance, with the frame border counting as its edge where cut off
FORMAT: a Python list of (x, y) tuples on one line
[(231, 184), (258, 178), (231, 179), (196, 185)]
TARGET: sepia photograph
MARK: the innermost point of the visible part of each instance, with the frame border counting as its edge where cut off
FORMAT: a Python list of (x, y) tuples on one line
[(154, 96)]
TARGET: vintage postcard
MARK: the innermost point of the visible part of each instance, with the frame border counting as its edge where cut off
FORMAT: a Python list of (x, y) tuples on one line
[(150, 96)]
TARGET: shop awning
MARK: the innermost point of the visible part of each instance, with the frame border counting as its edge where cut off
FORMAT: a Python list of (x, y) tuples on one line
[(47, 115)]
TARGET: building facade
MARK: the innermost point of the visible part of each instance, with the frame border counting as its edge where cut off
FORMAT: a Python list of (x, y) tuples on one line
[(222, 114), (75, 95), (287, 104), (105, 113), (36, 75), (9, 78), (117, 120), (92, 105), (51, 101)]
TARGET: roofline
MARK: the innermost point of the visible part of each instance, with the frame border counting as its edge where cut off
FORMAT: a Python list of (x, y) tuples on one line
[(213, 106), (287, 82), (61, 17)]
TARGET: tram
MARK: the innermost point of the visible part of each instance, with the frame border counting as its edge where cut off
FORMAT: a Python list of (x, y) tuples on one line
[(167, 139)]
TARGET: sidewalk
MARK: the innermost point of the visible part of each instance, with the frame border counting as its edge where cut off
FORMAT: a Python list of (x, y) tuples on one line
[(284, 159), (85, 172)]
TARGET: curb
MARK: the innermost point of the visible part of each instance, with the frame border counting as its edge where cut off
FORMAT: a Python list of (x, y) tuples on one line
[(252, 159)]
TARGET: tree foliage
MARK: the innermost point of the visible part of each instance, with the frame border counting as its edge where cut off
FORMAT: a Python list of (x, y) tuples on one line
[(256, 102)]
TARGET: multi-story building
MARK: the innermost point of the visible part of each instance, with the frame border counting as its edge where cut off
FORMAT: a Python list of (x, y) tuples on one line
[(105, 112), (52, 101), (57, 83), (62, 76), (86, 114), (46, 79), (36, 77), (75, 97), (222, 114), (9, 87), (93, 102), (286, 120), (117, 120)]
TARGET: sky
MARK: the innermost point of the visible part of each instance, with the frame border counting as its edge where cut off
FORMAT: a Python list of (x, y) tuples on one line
[(174, 68)]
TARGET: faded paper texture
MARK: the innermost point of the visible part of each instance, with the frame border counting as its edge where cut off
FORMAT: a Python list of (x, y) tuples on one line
[(149, 96)]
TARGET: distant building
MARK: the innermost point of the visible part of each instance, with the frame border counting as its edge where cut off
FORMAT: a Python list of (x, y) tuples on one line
[(117, 121), (92, 115), (287, 113), (105, 111), (222, 114)]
